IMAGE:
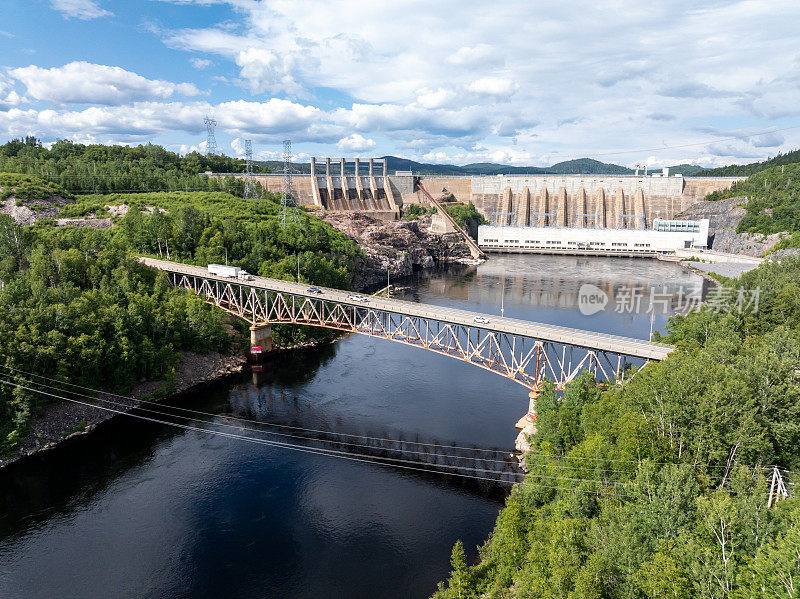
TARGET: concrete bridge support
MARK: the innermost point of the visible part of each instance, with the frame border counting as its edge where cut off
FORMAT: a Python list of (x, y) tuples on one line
[(528, 422), (261, 336)]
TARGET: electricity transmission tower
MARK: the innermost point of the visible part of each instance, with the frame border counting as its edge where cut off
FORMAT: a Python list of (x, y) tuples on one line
[(777, 489), (288, 206), (211, 140), (250, 185)]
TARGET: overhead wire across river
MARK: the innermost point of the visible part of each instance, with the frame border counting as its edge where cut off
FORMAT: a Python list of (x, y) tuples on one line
[(161, 414)]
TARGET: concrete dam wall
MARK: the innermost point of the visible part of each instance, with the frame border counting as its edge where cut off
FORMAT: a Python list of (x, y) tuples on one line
[(595, 201), (351, 189)]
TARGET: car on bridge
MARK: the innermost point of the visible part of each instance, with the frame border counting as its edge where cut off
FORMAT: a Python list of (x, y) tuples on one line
[(357, 297), (480, 320), (313, 290)]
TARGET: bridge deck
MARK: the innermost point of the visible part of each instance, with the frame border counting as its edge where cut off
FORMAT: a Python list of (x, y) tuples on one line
[(576, 337)]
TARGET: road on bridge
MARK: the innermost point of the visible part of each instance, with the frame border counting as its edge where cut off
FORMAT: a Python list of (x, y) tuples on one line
[(557, 334)]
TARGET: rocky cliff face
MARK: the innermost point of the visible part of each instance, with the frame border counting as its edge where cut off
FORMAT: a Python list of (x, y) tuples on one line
[(401, 246), (725, 216)]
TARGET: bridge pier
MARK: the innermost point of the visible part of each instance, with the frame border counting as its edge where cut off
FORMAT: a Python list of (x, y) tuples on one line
[(527, 426), (529, 419), (261, 336)]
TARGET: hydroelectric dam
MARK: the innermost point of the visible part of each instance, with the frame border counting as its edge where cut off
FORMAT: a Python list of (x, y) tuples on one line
[(584, 201)]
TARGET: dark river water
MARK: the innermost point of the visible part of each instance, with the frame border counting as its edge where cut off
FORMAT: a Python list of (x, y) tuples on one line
[(137, 509)]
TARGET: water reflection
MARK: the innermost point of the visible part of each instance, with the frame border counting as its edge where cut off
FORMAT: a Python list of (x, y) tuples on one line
[(138, 509)]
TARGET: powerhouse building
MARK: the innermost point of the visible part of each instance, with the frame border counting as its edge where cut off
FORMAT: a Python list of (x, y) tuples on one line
[(665, 237)]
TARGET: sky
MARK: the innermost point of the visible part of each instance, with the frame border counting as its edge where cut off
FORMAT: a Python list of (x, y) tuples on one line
[(516, 82)]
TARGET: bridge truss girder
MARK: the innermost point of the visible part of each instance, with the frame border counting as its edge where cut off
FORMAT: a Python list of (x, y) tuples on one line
[(525, 360)]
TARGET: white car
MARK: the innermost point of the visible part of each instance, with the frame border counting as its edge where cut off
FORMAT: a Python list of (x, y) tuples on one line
[(357, 297), (481, 320)]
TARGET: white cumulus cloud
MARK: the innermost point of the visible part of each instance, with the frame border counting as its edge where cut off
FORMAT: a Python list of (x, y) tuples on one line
[(80, 9), (273, 117), (493, 86), (473, 55), (437, 98), (265, 70), (200, 63), (355, 143), (8, 95), (89, 83)]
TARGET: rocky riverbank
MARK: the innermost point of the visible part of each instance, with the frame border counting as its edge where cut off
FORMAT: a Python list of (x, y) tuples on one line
[(62, 420), (400, 246)]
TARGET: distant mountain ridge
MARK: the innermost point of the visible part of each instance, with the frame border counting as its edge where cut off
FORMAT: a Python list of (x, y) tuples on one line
[(579, 166), (745, 170)]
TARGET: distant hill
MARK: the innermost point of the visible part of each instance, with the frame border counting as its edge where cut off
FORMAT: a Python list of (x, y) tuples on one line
[(688, 170), (745, 170), (580, 166), (588, 166)]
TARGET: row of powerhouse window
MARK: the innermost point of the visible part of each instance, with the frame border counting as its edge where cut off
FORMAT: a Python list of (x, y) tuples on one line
[(575, 243), (679, 226)]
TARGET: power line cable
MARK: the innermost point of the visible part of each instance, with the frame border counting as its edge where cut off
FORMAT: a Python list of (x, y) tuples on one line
[(371, 438), (316, 451), (154, 409), (260, 422), (312, 439)]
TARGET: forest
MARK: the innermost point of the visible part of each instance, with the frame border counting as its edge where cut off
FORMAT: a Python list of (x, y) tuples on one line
[(97, 168), (76, 304), (745, 170), (658, 487), (773, 203)]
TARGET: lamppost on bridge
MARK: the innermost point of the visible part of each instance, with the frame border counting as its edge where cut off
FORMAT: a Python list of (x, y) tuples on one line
[(503, 299)]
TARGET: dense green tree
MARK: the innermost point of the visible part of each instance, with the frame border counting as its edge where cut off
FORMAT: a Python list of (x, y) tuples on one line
[(97, 168), (772, 200), (657, 488), (75, 302)]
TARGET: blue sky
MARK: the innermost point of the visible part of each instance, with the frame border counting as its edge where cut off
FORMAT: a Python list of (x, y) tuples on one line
[(526, 83)]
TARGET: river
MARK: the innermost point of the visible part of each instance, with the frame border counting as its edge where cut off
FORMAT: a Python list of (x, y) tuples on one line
[(137, 509)]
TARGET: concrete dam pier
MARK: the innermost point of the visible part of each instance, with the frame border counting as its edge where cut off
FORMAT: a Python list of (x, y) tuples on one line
[(343, 186), (584, 201), (596, 201)]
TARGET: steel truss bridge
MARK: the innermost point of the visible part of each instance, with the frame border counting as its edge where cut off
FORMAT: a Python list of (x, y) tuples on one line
[(525, 352)]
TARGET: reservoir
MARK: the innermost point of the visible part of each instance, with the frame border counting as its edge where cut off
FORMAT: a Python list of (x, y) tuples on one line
[(139, 509)]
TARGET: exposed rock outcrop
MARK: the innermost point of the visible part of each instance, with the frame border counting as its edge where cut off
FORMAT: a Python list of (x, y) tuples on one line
[(95, 223), (401, 246), (31, 211), (725, 216)]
